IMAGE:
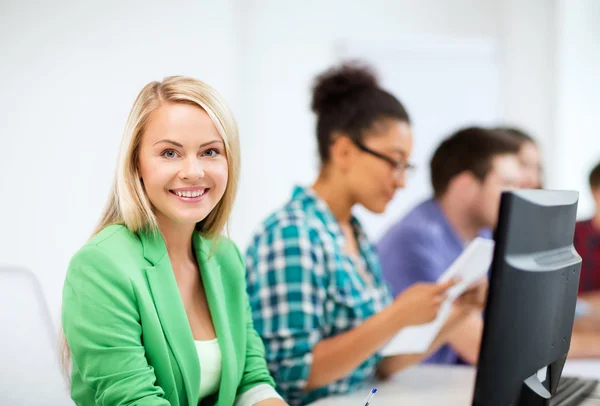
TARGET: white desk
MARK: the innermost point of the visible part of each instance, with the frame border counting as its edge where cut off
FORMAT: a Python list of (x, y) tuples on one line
[(440, 385), (587, 368), (419, 385)]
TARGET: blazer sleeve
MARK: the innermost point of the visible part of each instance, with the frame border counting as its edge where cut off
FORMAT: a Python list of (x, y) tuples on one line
[(102, 326), (255, 369)]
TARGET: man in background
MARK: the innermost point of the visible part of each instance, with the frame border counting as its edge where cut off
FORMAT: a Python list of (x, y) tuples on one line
[(469, 171), (587, 244), (530, 158)]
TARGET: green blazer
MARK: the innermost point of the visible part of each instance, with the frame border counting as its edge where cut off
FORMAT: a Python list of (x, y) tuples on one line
[(130, 339)]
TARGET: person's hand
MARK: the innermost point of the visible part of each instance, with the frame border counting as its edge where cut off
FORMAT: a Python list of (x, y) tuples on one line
[(420, 303), (587, 324), (475, 297)]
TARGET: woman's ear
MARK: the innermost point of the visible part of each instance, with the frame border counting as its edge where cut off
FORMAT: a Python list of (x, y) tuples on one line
[(342, 150)]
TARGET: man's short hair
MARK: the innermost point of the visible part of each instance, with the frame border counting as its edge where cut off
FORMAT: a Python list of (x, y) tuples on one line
[(521, 136), (595, 177), (471, 149)]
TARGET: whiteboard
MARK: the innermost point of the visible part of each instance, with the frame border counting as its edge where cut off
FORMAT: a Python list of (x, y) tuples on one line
[(444, 85)]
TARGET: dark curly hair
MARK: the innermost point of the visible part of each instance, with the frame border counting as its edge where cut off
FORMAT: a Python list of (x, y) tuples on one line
[(348, 98)]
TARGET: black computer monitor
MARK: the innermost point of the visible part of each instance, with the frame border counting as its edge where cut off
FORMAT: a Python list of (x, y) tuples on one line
[(531, 304)]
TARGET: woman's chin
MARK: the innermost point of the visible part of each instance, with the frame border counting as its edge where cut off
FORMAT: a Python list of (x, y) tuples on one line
[(376, 207), (187, 219)]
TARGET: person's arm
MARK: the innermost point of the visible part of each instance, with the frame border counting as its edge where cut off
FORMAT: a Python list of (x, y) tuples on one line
[(585, 345), (409, 255), (593, 298), (271, 402), (261, 394), (287, 292), (336, 357), (102, 327), (466, 340), (388, 366), (590, 321), (471, 302)]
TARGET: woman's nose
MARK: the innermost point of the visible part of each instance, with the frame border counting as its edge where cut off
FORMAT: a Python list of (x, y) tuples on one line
[(192, 169)]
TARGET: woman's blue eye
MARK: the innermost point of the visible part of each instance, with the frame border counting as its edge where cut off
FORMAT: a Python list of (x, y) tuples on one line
[(170, 154), (211, 152)]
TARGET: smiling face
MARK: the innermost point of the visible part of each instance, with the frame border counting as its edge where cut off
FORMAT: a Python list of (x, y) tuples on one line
[(182, 163)]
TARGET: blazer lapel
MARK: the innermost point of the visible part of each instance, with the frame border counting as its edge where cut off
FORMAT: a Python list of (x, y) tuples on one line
[(210, 271), (171, 311)]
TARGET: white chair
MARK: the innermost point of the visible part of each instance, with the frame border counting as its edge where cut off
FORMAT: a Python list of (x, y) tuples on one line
[(30, 372)]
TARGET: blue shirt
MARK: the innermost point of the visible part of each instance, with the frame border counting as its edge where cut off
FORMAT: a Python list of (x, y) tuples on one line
[(419, 248), (304, 288)]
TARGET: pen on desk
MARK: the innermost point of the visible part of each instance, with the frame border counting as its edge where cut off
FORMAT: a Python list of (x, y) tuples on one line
[(368, 399)]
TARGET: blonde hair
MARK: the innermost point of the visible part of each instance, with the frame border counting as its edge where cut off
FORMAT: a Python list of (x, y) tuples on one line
[(128, 203)]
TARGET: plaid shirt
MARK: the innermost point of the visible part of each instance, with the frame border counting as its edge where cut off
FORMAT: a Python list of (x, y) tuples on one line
[(304, 288), (587, 244)]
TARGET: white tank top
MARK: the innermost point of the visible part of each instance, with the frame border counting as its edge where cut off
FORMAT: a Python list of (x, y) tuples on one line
[(211, 365)]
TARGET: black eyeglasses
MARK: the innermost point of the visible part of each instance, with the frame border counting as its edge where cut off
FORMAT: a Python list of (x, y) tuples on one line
[(400, 167)]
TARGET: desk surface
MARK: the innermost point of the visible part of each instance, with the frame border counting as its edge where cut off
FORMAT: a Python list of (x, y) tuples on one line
[(440, 385), (419, 385), (588, 368)]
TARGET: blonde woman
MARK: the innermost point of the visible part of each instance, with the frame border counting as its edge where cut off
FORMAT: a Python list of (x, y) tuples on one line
[(154, 305)]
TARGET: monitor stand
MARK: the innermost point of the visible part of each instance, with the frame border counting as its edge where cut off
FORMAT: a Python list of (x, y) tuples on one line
[(538, 392)]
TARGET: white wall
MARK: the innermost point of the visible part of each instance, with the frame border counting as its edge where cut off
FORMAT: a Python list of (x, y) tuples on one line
[(528, 48), (577, 146), (70, 70), (285, 44), (446, 84), (69, 74)]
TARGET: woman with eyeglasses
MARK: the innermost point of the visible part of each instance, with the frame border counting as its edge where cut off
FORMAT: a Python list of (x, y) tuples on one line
[(314, 280)]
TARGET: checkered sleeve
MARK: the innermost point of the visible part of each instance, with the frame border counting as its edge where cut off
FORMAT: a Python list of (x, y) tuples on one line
[(287, 292)]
